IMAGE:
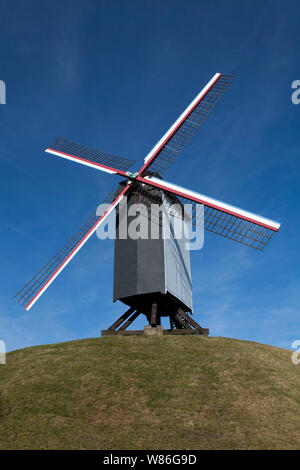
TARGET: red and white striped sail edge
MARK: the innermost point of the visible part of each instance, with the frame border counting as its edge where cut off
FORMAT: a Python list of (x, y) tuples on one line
[(98, 166), (209, 201), (181, 118), (77, 248)]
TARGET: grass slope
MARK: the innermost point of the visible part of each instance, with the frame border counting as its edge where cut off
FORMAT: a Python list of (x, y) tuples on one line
[(150, 393)]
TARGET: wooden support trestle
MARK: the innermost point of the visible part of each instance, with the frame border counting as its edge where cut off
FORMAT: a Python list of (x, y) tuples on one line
[(180, 323)]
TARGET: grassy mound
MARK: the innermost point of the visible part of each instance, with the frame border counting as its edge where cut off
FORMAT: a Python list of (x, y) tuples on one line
[(150, 393)]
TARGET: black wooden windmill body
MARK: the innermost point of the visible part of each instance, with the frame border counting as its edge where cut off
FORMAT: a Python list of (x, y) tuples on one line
[(153, 276)]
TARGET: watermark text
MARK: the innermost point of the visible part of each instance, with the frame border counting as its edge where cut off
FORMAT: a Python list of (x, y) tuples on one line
[(2, 92), (296, 94), (296, 354), (154, 221), (2, 352)]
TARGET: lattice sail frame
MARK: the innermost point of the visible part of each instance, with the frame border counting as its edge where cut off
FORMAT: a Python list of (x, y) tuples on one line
[(29, 290), (249, 229), (30, 293), (103, 161), (189, 124)]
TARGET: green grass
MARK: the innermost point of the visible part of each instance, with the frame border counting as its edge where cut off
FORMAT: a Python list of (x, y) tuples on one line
[(150, 393)]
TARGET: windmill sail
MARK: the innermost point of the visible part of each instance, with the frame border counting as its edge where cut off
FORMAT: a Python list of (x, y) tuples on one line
[(90, 157), (31, 292), (221, 218), (183, 129)]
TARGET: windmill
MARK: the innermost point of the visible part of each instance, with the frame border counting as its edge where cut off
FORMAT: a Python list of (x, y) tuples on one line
[(146, 277)]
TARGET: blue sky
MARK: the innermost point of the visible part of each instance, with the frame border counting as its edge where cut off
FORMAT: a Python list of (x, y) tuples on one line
[(115, 76)]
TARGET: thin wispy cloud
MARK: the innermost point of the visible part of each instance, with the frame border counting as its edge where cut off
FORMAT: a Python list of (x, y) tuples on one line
[(17, 167), (25, 234)]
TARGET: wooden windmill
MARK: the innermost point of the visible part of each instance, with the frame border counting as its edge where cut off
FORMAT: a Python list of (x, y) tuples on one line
[(153, 276)]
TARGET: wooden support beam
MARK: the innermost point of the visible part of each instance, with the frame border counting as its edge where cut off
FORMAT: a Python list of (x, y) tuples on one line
[(175, 323), (129, 321), (182, 331), (122, 318), (187, 318), (180, 323), (122, 333), (183, 324)]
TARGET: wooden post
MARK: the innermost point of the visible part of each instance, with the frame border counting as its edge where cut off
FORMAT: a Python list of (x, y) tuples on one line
[(153, 318)]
